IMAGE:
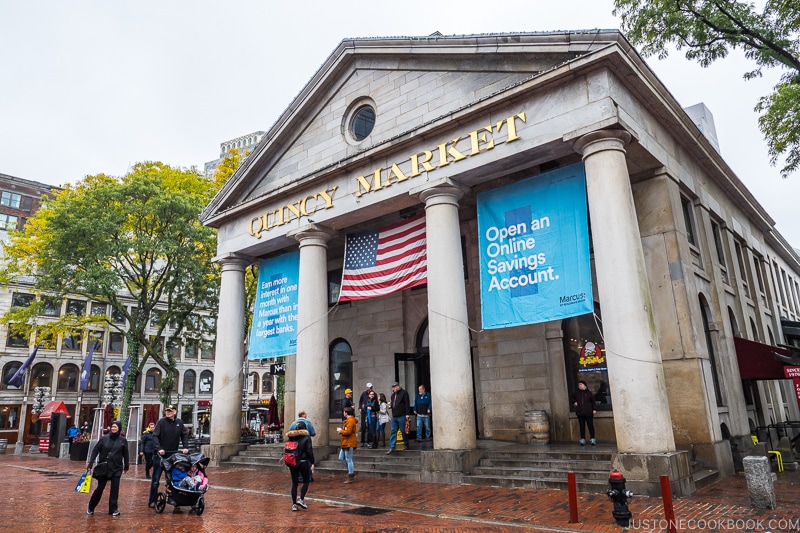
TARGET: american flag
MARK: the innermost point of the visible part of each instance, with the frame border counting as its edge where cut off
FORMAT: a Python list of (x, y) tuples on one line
[(381, 262)]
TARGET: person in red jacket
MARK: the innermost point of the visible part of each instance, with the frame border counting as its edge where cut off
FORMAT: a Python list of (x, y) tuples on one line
[(583, 401)]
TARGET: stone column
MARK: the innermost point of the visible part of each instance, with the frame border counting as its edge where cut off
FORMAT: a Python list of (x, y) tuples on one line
[(312, 380), (229, 357), (636, 376), (450, 362)]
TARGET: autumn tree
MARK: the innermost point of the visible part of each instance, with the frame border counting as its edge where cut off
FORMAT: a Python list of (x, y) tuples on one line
[(708, 29), (135, 238)]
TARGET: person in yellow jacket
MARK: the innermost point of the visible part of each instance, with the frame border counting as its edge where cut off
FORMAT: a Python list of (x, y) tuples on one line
[(349, 442)]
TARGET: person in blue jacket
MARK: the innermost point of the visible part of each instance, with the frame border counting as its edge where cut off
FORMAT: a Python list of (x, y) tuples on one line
[(422, 408)]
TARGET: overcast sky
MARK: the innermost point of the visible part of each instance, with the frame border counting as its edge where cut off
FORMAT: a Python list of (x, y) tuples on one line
[(90, 87)]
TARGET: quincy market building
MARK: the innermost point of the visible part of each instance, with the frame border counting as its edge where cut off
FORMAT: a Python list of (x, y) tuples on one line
[(505, 143)]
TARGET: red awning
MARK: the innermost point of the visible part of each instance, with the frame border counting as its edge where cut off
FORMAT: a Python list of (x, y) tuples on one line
[(54, 407), (757, 360)]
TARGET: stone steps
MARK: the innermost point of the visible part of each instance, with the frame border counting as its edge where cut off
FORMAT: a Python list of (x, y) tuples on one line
[(502, 466)]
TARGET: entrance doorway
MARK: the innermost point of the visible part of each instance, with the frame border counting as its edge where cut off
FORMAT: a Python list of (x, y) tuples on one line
[(412, 370)]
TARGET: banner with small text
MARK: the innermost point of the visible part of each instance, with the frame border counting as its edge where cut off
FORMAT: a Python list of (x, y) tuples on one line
[(274, 329)]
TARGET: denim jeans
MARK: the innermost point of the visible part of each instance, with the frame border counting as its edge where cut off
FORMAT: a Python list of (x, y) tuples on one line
[(346, 457), (423, 427), (156, 479), (398, 422)]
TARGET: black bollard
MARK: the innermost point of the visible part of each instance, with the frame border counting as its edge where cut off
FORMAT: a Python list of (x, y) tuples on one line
[(618, 494)]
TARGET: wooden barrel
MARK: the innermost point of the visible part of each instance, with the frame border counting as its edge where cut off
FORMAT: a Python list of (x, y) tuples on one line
[(537, 429), (3, 445)]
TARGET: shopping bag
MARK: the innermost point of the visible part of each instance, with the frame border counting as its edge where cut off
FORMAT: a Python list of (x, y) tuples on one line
[(84, 483)]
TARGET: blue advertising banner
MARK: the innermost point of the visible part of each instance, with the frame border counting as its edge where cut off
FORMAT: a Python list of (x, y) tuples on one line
[(274, 330), (534, 250)]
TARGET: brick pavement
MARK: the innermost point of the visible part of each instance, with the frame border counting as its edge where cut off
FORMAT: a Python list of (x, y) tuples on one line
[(38, 496)]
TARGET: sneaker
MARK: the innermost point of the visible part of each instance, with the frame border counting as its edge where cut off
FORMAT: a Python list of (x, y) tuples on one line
[(115, 513), (151, 504), (302, 503), (593, 442), (583, 442), (294, 507), (89, 511)]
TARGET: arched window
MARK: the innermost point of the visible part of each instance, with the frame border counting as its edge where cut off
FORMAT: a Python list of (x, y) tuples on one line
[(41, 376), (585, 356), (755, 331), (94, 379), (266, 383), (254, 382), (705, 313), (189, 378), (8, 372), (341, 375), (68, 378), (152, 381), (206, 382), (734, 324)]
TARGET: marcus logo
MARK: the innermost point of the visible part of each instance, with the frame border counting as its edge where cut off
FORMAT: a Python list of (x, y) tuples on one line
[(572, 299)]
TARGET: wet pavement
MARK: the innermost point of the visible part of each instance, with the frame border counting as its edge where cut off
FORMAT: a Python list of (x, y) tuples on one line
[(38, 496)]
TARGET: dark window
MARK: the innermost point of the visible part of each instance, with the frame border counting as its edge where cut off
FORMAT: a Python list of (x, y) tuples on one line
[(21, 299), (115, 342), (266, 383), (71, 341), (254, 383), (99, 308), (718, 243), (117, 317), (189, 378), (8, 372), (17, 339), (51, 307), (206, 350), (362, 123), (341, 375), (334, 285), (41, 376), (153, 380), (68, 378), (688, 219), (76, 307)]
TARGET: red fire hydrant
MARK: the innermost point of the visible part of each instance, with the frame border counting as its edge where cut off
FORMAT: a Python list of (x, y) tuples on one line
[(618, 494)]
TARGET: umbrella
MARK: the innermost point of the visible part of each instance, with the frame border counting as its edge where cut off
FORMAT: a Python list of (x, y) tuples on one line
[(273, 419), (109, 416)]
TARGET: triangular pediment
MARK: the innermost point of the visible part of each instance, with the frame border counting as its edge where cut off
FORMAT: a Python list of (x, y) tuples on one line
[(410, 82)]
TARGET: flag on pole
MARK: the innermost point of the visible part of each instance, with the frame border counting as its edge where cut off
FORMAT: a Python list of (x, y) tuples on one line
[(381, 262), (124, 374), (18, 378), (87, 368)]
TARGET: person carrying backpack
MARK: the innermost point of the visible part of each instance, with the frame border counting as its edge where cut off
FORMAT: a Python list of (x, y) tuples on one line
[(298, 455)]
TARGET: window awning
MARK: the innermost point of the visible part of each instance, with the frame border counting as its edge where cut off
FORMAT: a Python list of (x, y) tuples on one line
[(757, 360)]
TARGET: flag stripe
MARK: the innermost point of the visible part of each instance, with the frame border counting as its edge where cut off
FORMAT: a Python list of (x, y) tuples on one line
[(394, 259)]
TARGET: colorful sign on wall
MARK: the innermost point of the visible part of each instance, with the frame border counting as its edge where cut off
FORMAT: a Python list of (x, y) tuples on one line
[(274, 330), (534, 250)]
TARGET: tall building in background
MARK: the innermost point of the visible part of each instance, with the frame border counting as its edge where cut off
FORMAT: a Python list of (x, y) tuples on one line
[(19, 199), (245, 144)]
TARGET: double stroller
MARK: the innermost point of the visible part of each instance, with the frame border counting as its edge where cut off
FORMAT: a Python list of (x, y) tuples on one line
[(186, 482)]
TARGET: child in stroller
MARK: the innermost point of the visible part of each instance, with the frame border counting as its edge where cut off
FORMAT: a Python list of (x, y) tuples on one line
[(186, 482)]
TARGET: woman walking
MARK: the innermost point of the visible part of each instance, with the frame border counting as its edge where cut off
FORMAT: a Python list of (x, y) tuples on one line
[(112, 454), (349, 442), (305, 463)]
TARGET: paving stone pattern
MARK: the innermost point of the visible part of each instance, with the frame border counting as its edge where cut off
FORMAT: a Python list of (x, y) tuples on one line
[(38, 496)]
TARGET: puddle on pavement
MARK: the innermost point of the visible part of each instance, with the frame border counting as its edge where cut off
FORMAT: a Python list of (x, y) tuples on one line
[(366, 511)]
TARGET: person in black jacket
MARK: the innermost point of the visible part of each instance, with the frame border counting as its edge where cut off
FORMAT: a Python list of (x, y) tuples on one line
[(401, 414), (112, 452), (169, 436), (305, 464), (146, 448), (583, 401)]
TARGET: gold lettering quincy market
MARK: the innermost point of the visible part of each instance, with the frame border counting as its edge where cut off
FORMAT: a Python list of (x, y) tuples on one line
[(303, 207), (474, 143)]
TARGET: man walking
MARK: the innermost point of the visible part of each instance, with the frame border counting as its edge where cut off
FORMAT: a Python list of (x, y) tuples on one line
[(401, 413), (422, 408), (362, 407), (168, 434)]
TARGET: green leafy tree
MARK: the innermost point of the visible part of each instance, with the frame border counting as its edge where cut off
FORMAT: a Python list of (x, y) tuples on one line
[(116, 239), (708, 29)]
